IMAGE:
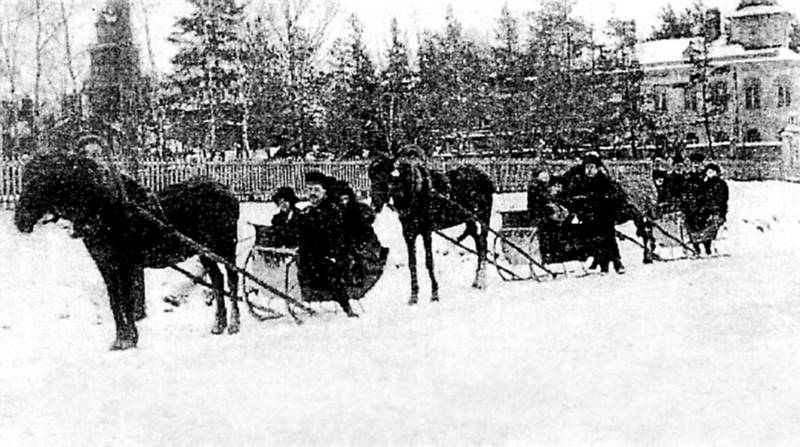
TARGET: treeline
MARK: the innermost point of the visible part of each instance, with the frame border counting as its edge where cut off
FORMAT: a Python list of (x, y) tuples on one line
[(546, 79)]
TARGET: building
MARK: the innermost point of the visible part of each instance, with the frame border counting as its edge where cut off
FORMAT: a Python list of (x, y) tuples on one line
[(115, 88), (740, 83)]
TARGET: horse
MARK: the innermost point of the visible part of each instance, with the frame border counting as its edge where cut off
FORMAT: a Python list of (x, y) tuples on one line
[(427, 201), (123, 229)]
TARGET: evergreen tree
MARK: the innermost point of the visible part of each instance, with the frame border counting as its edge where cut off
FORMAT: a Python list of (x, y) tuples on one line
[(561, 84), (206, 83), (689, 23), (352, 114), (397, 83), (619, 92), (453, 88), (508, 96)]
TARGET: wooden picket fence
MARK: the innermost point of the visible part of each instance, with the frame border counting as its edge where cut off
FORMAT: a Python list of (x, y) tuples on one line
[(257, 180)]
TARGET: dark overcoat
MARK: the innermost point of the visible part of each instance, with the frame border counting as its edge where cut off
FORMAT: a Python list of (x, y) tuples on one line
[(321, 254)]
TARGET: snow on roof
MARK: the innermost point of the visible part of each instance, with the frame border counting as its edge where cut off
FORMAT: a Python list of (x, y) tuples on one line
[(673, 51), (759, 10), (662, 51)]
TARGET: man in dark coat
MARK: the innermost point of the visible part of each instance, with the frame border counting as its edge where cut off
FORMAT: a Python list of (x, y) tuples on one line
[(692, 197), (712, 209), (596, 202), (283, 231), (322, 258)]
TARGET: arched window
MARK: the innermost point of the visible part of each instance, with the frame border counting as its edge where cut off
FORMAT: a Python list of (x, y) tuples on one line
[(719, 95), (721, 137), (691, 138), (689, 99), (752, 136), (660, 98), (752, 94), (784, 88)]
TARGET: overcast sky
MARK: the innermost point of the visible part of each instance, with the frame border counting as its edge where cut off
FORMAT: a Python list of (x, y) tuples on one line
[(478, 17)]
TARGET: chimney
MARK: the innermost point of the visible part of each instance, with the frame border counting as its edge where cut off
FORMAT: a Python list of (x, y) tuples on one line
[(713, 24)]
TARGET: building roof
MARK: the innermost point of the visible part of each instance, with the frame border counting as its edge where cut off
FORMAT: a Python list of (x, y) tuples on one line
[(670, 52), (745, 3), (759, 10)]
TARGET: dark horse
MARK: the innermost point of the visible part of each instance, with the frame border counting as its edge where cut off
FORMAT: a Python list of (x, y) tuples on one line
[(105, 209), (427, 200)]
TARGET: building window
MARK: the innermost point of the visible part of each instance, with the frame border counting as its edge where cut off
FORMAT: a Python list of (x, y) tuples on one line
[(719, 95), (721, 137), (661, 102), (784, 93), (689, 99), (752, 94), (752, 136)]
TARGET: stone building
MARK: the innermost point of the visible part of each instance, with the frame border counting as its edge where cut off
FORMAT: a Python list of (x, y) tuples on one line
[(740, 83)]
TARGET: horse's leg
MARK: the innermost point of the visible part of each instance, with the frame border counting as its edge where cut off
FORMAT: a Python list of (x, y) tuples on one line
[(138, 294), (129, 276), (112, 273), (481, 245), (426, 240), (412, 266), (233, 288), (218, 281), (470, 230)]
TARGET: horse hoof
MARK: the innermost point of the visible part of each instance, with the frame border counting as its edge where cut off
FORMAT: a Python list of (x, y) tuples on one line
[(233, 329), (434, 298), (478, 285), (121, 345), (412, 301), (218, 329)]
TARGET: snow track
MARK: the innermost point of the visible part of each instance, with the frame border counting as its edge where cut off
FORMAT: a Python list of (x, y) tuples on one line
[(683, 353)]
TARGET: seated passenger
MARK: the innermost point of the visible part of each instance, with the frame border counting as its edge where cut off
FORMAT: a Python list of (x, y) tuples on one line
[(558, 233), (538, 196), (365, 253), (283, 232)]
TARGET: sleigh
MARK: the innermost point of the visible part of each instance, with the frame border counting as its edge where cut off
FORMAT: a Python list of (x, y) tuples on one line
[(278, 266), (673, 242), (525, 251)]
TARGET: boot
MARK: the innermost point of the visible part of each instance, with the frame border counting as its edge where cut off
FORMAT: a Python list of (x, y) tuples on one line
[(618, 267), (707, 246), (347, 309)]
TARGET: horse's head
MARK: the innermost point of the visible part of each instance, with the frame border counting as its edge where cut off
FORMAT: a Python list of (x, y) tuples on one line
[(408, 179), (60, 185), (380, 170)]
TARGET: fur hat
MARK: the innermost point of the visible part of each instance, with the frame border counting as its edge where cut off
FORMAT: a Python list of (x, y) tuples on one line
[(285, 193), (318, 178), (714, 167), (342, 188), (592, 158), (697, 157)]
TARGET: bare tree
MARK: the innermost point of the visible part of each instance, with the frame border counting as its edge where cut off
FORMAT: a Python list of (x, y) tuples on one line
[(299, 31), (68, 60)]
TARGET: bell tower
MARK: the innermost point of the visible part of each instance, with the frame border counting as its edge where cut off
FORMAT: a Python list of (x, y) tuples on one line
[(115, 84), (760, 24)]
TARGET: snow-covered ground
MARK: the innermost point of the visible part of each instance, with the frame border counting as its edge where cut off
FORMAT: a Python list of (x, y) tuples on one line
[(683, 353)]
